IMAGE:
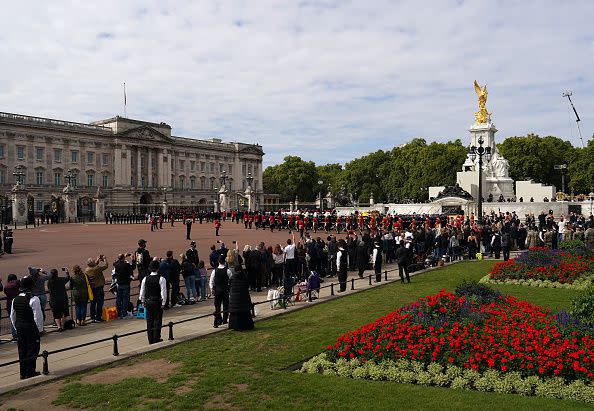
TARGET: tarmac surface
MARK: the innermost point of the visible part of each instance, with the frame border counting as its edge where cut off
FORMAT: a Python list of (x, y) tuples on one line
[(64, 245)]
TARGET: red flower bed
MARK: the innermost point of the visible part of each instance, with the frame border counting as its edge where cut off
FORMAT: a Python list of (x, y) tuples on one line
[(540, 263), (505, 334)]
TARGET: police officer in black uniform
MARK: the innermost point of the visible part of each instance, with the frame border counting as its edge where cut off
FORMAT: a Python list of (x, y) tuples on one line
[(219, 283), (153, 294), (26, 316)]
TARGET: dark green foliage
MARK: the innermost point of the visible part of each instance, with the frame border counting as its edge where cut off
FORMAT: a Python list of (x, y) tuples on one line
[(583, 306), (575, 247), (473, 290)]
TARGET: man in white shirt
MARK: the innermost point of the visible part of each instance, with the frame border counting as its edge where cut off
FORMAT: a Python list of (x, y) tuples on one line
[(153, 295), (26, 316), (289, 252)]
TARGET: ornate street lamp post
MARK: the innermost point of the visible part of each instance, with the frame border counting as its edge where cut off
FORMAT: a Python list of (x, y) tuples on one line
[(320, 184), (480, 151), (249, 179), (223, 178), (18, 175)]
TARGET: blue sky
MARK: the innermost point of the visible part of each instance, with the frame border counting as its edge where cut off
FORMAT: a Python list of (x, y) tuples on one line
[(326, 80)]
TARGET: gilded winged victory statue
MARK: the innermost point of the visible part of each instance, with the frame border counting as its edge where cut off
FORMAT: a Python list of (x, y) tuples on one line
[(481, 116)]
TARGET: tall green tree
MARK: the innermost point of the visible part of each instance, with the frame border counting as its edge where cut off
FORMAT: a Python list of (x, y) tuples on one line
[(293, 177), (534, 157)]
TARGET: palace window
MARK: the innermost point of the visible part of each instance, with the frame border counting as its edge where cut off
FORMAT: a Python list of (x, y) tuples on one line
[(142, 161), (74, 156), (202, 183), (58, 179), (2, 177), (192, 165), (39, 206), (250, 169), (192, 183), (212, 183), (105, 159), (90, 157), (39, 153), (202, 166), (221, 167), (21, 152), (90, 180), (182, 179), (105, 181), (142, 181), (57, 155), (1, 150), (39, 178), (230, 169), (182, 165), (212, 168), (243, 169)]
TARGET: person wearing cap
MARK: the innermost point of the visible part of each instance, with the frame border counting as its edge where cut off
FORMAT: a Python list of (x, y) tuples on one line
[(153, 295), (188, 223), (192, 254), (26, 316), (143, 259)]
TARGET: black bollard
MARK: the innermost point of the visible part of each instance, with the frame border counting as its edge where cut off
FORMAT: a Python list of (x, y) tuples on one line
[(352, 283), (369, 279), (170, 330), (116, 352), (45, 354), (331, 288)]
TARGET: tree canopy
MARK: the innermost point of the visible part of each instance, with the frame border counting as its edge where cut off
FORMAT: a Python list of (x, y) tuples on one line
[(405, 172)]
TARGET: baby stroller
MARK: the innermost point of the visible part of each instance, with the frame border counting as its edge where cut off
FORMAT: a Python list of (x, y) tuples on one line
[(313, 286), (286, 291)]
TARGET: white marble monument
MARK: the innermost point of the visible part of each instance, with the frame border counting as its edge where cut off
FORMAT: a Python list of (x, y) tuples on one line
[(496, 179)]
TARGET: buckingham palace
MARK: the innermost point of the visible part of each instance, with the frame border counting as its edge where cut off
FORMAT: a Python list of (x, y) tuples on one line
[(129, 163)]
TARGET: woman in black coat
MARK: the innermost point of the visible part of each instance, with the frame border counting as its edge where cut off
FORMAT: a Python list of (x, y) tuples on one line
[(240, 303), (362, 256)]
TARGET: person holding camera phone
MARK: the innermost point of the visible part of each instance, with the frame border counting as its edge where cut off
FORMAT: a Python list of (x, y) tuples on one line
[(94, 272)]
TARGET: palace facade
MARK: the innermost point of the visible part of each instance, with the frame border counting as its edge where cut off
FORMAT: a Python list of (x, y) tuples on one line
[(131, 162)]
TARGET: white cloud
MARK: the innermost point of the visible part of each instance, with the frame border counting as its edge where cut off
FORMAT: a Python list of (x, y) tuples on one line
[(325, 80)]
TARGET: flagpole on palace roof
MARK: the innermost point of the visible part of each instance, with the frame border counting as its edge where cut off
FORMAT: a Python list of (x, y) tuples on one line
[(125, 112)]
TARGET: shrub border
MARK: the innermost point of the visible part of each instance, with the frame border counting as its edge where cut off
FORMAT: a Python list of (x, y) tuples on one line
[(579, 284), (452, 376)]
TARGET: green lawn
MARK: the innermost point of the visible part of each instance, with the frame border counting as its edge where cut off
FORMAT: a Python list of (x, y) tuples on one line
[(248, 370)]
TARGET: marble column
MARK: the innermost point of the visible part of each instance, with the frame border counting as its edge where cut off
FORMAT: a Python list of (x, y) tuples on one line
[(160, 181), (128, 167), (149, 168), (138, 167), (117, 167)]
